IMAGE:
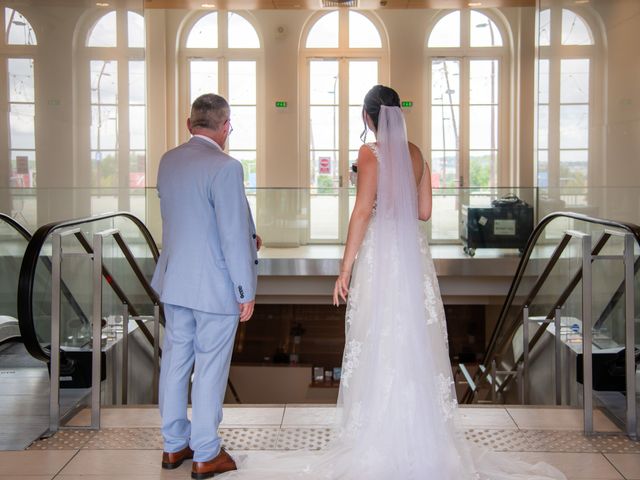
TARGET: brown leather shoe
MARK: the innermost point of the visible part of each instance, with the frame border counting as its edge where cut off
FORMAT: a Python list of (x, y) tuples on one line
[(220, 464), (175, 459)]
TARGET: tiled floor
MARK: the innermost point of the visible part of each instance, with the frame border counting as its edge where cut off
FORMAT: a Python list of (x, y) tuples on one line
[(129, 444)]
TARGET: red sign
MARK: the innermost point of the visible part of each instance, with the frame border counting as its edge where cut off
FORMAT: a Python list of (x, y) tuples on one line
[(325, 165), (22, 165)]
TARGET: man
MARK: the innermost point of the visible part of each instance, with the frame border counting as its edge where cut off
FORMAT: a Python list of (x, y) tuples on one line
[(206, 278)]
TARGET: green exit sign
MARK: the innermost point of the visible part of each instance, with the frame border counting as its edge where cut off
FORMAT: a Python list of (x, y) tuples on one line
[(407, 104), (281, 104)]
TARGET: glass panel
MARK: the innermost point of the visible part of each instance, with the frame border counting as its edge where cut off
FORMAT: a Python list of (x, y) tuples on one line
[(362, 76), (137, 171), (104, 168), (543, 80), (324, 170), (544, 28), (137, 87), (324, 128), (18, 29), (484, 81), (104, 32), (22, 126), (324, 33), (446, 33), (356, 128), (243, 120), (242, 83), (483, 127), (204, 34), (543, 168), (445, 81), (135, 27), (574, 80), (137, 122), (324, 83), (574, 168), (444, 127), (484, 32), (575, 30), (12, 249), (445, 167), (104, 123), (324, 213), (21, 80), (203, 76), (483, 168), (444, 222), (362, 32), (543, 126), (248, 160), (23, 170), (241, 32), (574, 126), (104, 81)]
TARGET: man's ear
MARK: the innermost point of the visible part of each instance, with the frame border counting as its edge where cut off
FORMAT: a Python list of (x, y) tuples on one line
[(189, 124)]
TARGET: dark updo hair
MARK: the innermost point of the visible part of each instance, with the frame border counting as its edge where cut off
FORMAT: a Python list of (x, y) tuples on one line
[(373, 100)]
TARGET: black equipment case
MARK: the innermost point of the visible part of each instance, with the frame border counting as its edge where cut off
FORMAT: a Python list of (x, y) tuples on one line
[(506, 224)]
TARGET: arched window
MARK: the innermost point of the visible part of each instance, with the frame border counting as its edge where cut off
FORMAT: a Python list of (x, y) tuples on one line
[(220, 53), (18, 56), (116, 87), (566, 99), (345, 54), (468, 58)]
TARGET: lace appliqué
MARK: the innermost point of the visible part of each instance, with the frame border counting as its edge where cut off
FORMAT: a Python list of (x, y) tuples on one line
[(448, 403), (351, 361)]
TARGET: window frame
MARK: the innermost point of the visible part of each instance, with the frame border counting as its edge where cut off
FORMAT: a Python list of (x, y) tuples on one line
[(343, 54), (222, 54)]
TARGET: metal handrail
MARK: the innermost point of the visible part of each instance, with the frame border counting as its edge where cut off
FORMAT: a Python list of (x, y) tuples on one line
[(494, 346), (16, 226), (29, 267)]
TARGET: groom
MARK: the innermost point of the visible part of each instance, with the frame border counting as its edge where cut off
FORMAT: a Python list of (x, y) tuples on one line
[(206, 278)]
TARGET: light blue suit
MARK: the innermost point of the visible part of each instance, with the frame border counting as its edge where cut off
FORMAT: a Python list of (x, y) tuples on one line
[(208, 266)]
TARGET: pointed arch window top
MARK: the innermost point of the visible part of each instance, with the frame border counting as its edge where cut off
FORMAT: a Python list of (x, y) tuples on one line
[(18, 30), (135, 27), (484, 31), (575, 30), (204, 34), (324, 33), (241, 32), (104, 32)]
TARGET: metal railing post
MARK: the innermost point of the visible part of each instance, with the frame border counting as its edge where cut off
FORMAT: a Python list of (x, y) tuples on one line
[(630, 336), (587, 335), (125, 354), (56, 276), (96, 321), (525, 354), (557, 321), (156, 351)]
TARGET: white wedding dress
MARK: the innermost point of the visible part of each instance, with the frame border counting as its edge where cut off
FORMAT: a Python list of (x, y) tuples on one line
[(397, 403)]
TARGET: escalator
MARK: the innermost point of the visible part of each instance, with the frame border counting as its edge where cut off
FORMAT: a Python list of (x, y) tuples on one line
[(13, 243), (129, 255), (571, 273)]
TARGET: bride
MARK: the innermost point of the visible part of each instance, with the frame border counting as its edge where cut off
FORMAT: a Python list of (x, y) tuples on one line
[(397, 403)]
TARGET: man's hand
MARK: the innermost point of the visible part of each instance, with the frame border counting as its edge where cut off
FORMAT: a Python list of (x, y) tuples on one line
[(246, 310), (258, 242)]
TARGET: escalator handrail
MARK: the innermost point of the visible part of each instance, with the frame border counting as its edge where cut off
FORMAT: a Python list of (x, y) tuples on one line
[(16, 226), (29, 267), (526, 256)]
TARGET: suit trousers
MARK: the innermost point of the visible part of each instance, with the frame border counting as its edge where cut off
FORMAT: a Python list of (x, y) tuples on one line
[(206, 338)]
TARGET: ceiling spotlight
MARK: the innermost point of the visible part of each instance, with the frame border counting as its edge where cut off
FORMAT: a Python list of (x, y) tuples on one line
[(208, 5), (102, 4), (474, 4)]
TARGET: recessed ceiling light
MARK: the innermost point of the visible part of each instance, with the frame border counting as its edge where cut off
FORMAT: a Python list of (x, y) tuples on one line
[(475, 4), (208, 5), (102, 4), (579, 2)]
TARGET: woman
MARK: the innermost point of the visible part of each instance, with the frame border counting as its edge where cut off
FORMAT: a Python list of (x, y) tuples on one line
[(397, 401)]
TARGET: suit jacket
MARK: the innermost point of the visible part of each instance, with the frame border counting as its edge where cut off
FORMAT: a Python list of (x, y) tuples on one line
[(208, 260)]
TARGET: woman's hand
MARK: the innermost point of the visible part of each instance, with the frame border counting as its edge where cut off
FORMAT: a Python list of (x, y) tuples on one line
[(341, 288)]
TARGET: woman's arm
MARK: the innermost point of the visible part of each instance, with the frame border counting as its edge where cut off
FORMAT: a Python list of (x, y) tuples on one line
[(425, 199), (365, 199)]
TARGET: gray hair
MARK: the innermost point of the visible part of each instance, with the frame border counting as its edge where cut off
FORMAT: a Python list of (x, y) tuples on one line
[(209, 111)]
